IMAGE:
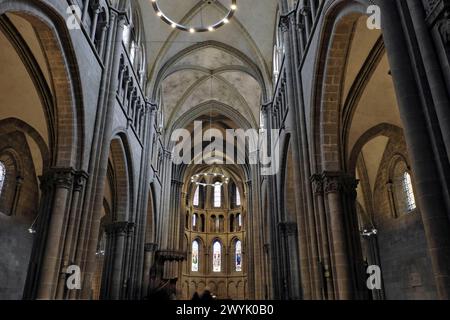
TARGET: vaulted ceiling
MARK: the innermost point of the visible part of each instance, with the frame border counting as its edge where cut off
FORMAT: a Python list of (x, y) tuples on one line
[(231, 65)]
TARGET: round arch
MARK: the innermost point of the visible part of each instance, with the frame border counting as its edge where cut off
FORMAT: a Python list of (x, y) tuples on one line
[(336, 39), (68, 147)]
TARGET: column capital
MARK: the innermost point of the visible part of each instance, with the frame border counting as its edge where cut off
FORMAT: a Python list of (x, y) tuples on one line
[(80, 180), (150, 247), (331, 182), (150, 106), (171, 255), (317, 183), (266, 106), (334, 182), (118, 227), (58, 177), (286, 20)]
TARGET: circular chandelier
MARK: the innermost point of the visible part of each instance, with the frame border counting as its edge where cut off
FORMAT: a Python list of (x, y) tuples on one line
[(220, 179), (193, 29)]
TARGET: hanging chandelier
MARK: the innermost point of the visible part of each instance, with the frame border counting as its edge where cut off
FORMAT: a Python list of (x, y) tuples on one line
[(211, 179), (194, 29)]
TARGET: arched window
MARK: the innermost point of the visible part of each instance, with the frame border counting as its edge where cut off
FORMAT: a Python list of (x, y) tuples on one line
[(410, 201), (217, 257), (196, 200), (238, 197), (400, 188), (2, 176), (133, 51), (217, 195), (126, 35), (278, 54), (195, 259), (238, 256)]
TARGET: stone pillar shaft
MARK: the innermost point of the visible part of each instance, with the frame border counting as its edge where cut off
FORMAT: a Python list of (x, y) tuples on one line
[(428, 184)]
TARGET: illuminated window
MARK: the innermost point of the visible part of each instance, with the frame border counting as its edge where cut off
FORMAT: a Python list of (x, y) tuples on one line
[(133, 51), (238, 256), (239, 218), (126, 34), (217, 195), (196, 197), (2, 176), (410, 201), (400, 189), (217, 257), (238, 197), (194, 220), (195, 261)]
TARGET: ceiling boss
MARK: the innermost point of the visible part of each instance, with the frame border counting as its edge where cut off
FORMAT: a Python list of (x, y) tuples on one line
[(194, 29)]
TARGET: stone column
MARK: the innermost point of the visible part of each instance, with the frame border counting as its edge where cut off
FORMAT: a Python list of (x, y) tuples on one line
[(250, 247), (438, 22), (163, 218), (60, 181), (100, 152), (433, 68), (149, 250), (306, 217), (428, 184), (288, 232), (327, 280), (339, 252), (117, 232), (73, 228), (142, 271)]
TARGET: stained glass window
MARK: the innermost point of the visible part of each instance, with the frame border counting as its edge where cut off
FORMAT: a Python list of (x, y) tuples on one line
[(217, 257), (195, 261), (409, 193), (238, 197), (238, 256), (217, 195), (196, 197), (2, 176)]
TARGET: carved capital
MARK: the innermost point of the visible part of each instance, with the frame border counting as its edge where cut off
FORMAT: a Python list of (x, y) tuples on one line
[(117, 228), (317, 184), (331, 182), (58, 178), (150, 247), (150, 106), (335, 182), (266, 106), (80, 180), (284, 24), (171, 255)]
